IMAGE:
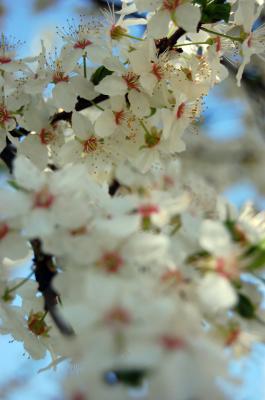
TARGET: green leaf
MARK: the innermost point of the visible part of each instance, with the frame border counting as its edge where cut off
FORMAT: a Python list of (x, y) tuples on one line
[(214, 10), (245, 307), (99, 74), (14, 184), (258, 262)]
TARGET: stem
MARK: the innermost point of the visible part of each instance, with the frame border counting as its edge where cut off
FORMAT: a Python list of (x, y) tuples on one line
[(84, 64), (96, 105), (3, 73), (132, 37), (233, 38), (191, 43), (144, 127), (21, 283), (44, 316)]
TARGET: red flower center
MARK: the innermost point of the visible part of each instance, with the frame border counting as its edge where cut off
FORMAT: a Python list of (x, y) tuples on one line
[(37, 325), (171, 5), (5, 60), (157, 71), (172, 342), (111, 261), (90, 145), (82, 44), (118, 315), (43, 199), (218, 44), (4, 114), (147, 210), (180, 110), (232, 337), (46, 136), (250, 40), (78, 396), (4, 229), (119, 115), (131, 80), (59, 76)]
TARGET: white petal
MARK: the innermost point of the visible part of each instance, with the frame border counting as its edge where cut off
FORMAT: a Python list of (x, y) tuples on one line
[(81, 125), (216, 293), (105, 125), (64, 96), (158, 25), (27, 174), (188, 16), (139, 102), (215, 238), (112, 86), (83, 87)]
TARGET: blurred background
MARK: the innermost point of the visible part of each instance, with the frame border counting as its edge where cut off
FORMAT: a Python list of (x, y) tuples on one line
[(227, 148)]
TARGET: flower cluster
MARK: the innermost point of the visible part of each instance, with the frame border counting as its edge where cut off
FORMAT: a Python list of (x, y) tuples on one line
[(144, 270)]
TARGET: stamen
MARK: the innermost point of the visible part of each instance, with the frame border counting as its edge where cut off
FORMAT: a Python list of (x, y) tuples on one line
[(131, 80), (180, 110), (90, 145), (146, 210), (171, 5), (118, 315), (4, 229), (172, 343), (46, 137), (43, 199)]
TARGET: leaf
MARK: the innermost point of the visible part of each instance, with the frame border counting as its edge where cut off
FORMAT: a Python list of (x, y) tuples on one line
[(245, 307), (99, 74), (258, 262), (14, 184), (214, 10)]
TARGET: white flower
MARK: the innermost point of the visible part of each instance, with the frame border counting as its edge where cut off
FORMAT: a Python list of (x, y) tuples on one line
[(215, 238), (215, 293), (181, 13)]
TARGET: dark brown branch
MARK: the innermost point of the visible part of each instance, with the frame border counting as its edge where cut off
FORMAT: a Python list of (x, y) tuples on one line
[(165, 44), (45, 271)]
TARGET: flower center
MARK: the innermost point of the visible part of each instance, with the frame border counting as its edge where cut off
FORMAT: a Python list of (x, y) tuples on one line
[(131, 80), (172, 342), (79, 231), (82, 44), (37, 325), (43, 199), (188, 73), (4, 229), (171, 5), (157, 71), (4, 115), (232, 337), (152, 138), (90, 145), (146, 210), (118, 316), (117, 32), (119, 115), (78, 396), (172, 276), (250, 40), (111, 261), (180, 110), (218, 44), (59, 76), (5, 60), (46, 136)]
